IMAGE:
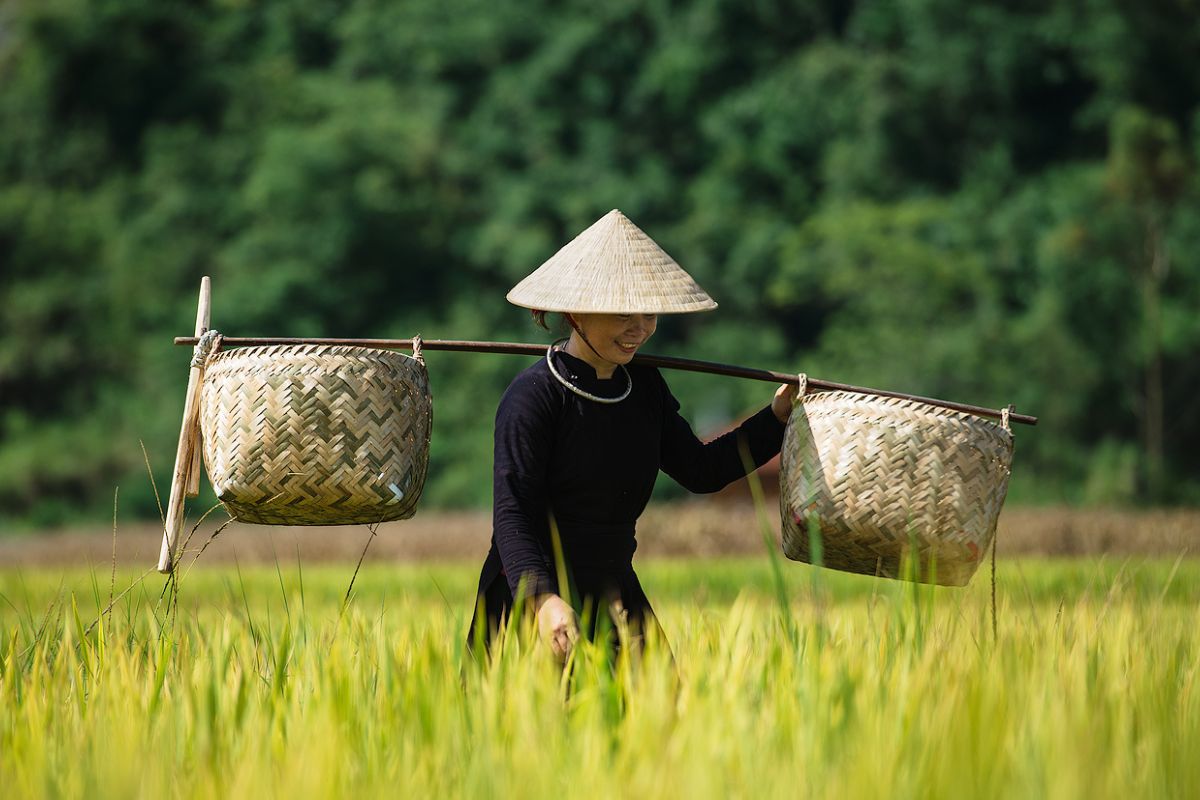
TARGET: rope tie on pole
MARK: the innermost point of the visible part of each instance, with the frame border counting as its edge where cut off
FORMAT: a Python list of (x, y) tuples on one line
[(1005, 415), (417, 343), (207, 347)]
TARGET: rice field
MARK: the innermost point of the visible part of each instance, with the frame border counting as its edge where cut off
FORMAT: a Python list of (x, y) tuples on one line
[(798, 682)]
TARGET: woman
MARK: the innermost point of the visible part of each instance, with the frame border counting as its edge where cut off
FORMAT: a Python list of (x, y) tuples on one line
[(581, 435)]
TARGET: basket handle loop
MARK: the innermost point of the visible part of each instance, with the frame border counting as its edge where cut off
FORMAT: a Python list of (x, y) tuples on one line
[(416, 346), (1004, 415), (802, 386)]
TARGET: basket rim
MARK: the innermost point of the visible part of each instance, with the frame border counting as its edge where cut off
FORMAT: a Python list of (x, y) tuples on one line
[(312, 349), (907, 403)]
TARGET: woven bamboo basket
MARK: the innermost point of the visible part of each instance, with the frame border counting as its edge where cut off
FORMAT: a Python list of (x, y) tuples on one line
[(894, 488), (316, 435)]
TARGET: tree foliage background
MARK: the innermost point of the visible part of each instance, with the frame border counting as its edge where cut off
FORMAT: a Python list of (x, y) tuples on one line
[(987, 201)]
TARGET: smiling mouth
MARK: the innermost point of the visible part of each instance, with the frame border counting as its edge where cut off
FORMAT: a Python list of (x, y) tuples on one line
[(628, 348)]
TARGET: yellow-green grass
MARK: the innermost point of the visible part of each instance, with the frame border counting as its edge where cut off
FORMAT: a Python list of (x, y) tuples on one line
[(256, 684)]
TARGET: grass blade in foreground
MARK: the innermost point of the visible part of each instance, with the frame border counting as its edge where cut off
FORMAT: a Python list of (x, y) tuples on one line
[(1093, 690)]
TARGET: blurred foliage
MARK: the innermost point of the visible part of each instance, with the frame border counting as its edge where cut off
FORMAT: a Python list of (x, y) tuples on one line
[(991, 202)]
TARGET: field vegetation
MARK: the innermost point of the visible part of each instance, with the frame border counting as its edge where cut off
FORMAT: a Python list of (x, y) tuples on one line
[(266, 681)]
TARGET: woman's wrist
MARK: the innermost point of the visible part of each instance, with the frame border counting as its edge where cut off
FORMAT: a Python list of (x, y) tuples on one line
[(783, 401)]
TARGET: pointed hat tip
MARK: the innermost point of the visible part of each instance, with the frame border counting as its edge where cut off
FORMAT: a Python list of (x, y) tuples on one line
[(617, 217)]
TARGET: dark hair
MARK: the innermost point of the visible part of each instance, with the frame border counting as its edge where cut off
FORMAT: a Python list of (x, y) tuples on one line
[(540, 318)]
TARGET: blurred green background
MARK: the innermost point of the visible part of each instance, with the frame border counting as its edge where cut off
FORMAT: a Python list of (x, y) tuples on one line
[(993, 202)]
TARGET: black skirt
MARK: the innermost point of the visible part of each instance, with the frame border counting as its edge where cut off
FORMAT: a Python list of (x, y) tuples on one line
[(605, 599)]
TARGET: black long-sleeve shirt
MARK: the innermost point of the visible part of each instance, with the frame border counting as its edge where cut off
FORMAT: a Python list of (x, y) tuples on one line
[(590, 467)]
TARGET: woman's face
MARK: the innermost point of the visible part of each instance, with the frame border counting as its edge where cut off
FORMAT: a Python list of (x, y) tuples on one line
[(616, 337)]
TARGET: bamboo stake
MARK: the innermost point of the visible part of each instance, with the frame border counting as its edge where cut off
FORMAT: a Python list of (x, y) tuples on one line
[(194, 467), (187, 436), (669, 362)]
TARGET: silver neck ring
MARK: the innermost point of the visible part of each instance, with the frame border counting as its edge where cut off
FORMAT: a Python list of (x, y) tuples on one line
[(586, 395)]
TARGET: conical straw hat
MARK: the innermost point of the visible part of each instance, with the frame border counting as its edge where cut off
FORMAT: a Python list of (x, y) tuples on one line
[(613, 267)]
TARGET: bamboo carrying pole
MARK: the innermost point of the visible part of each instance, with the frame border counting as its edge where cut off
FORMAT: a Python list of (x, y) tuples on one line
[(670, 362), (187, 470)]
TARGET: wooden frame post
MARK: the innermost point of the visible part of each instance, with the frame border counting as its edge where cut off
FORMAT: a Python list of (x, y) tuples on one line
[(187, 468)]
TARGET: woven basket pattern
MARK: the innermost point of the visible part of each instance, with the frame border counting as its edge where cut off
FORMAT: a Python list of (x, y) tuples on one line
[(316, 435), (885, 479)]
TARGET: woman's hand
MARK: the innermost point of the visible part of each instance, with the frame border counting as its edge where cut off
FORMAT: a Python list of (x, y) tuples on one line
[(785, 398), (557, 625)]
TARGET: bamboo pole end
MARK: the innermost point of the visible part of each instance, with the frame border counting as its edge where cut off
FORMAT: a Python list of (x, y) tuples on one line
[(186, 473)]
